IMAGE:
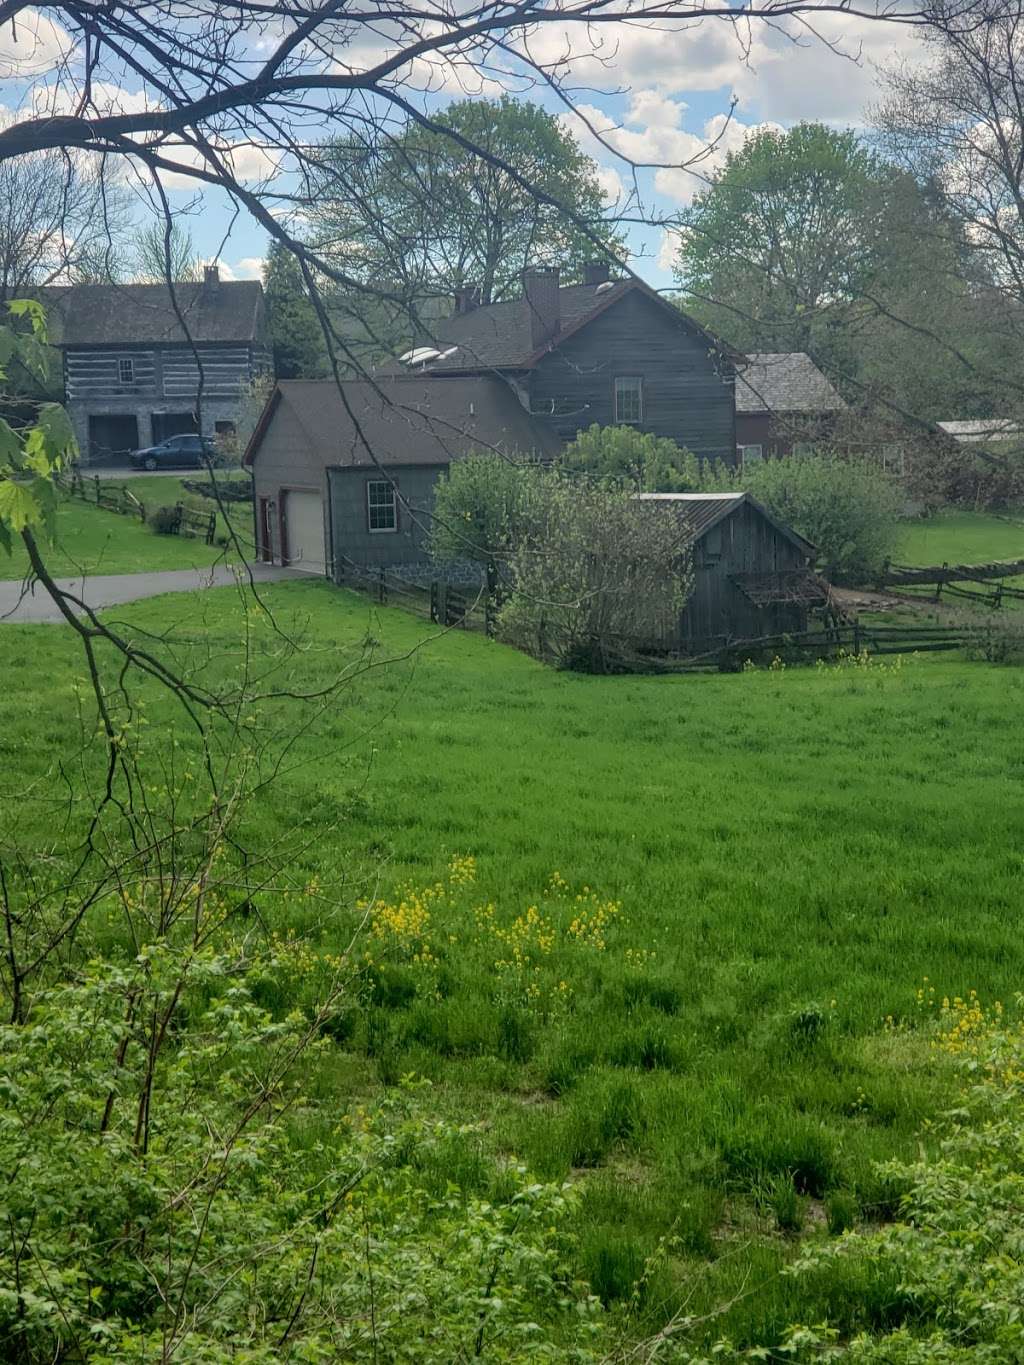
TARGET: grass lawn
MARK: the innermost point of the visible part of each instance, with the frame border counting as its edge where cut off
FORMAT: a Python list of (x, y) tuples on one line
[(94, 540), (962, 538), (754, 872)]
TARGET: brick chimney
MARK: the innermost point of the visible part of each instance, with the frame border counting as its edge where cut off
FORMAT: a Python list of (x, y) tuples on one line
[(540, 290), (595, 272), (211, 279), (467, 299)]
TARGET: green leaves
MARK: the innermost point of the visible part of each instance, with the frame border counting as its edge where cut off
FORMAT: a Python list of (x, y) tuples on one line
[(33, 455)]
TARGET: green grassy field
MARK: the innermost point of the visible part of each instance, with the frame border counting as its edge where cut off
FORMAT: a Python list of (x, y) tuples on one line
[(962, 538), (754, 872), (91, 539)]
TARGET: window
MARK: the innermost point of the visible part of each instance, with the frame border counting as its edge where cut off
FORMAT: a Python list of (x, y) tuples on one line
[(749, 454), (224, 428), (629, 399), (381, 506), (126, 371)]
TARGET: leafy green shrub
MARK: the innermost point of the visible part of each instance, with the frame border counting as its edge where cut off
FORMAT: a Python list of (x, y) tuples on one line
[(158, 1195), (165, 521), (848, 509), (632, 459), (596, 575), (481, 508), (997, 637)]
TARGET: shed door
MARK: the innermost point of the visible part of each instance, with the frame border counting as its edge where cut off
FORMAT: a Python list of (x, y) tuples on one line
[(304, 532)]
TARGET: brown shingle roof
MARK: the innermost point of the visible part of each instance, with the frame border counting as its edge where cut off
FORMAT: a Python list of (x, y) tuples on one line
[(784, 381), (497, 335), (137, 314), (407, 420)]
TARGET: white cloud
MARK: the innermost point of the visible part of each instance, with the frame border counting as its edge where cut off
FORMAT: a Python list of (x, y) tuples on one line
[(31, 44), (107, 98), (249, 268), (245, 161), (668, 249), (611, 183), (829, 73), (652, 134)]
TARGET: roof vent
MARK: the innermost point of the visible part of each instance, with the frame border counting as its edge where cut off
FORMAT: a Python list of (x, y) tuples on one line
[(447, 355), (419, 355), (604, 288)]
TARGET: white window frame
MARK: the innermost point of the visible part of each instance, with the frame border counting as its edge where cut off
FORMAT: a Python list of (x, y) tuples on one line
[(631, 379), (372, 506), (741, 451), (125, 370)]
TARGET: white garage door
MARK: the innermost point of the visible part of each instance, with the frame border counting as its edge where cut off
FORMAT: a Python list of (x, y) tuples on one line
[(304, 531)]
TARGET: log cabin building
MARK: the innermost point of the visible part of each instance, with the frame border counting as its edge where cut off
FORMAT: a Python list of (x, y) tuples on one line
[(131, 376)]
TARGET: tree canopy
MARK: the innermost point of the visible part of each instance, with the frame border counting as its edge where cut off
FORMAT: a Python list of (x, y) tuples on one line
[(295, 331), (425, 213)]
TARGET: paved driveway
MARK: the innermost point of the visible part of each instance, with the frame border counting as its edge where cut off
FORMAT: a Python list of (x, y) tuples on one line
[(108, 590)]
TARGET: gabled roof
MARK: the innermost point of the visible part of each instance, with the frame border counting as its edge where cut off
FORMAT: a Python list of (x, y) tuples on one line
[(137, 314), (407, 420), (704, 510), (784, 381), (497, 336)]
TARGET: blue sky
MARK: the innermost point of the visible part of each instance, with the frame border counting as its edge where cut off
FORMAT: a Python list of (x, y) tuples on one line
[(657, 95)]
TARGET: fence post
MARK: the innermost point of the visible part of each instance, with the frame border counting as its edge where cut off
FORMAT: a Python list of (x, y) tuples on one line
[(999, 596), (942, 579), (856, 637), (211, 529), (382, 587), (179, 515), (433, 600), (96, 481)]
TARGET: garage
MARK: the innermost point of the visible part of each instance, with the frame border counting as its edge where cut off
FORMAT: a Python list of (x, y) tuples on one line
[(304, 532), (112, 435)]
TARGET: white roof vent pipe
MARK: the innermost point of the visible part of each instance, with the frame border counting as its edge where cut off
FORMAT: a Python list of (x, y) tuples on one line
[(604, 288)]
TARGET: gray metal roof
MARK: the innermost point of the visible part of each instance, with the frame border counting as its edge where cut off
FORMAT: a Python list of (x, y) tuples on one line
[(978, 429), (407, 420), (784, 381), (137, 314), (704, 510)]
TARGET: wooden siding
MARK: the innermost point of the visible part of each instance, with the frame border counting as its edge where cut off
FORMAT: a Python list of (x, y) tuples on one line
[(685, 396), (161, 373), (348, 517), (743, 542), (96, 374), (225, 371)]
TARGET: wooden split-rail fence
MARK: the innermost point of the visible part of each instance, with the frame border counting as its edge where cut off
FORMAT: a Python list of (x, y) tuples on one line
[(947, 580), (185, 521)]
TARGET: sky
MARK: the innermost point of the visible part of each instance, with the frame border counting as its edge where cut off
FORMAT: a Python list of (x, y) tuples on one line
[(654, 93)]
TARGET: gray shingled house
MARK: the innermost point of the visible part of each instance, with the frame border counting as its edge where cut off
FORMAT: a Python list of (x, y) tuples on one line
[(131, 376), (520, 376), (782, 400), (346, 479)]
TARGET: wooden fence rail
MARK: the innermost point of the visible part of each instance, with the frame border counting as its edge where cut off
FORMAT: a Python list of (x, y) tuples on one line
[(908, 575), (103, 494)]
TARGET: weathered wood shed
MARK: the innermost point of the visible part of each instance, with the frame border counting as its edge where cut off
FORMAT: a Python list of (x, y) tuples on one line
[(753, 575)]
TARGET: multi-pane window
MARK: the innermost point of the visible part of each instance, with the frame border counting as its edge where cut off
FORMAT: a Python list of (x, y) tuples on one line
[(629, 399), (126, 371), (381, 506), (750, 454)]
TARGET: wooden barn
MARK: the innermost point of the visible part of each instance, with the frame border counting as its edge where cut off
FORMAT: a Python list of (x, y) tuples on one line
[(753, 575)]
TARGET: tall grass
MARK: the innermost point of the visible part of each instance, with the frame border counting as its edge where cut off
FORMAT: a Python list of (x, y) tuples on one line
[(768, 864)]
